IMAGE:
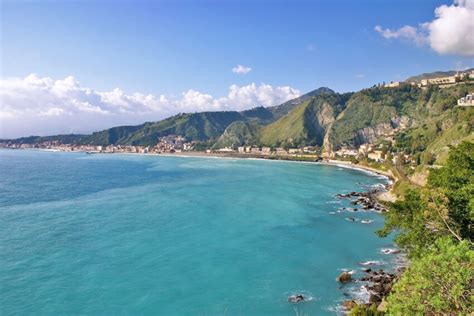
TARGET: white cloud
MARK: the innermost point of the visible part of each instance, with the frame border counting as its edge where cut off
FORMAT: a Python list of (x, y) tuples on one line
[(451, 31), (240, 69), (406, 32), (43, 106)]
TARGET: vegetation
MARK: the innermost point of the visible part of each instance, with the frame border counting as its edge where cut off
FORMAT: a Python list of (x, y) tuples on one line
[(435, 227), (64, 139), (438, 282), (238, 133), (363, 310), (192, 126), (306, 124)]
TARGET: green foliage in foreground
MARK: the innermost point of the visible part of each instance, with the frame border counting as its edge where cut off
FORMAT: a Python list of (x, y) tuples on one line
[(438, 282), (435, 227), (363, 310), (444, 207)]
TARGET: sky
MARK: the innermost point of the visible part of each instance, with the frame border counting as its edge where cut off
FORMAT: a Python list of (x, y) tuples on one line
[(82, 66)]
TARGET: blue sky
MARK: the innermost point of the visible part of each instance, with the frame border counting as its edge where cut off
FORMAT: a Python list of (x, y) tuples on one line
[(168, 47), (171, 46)]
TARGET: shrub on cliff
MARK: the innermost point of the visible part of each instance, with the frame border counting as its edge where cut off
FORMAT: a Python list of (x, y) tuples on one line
[(439, 282)]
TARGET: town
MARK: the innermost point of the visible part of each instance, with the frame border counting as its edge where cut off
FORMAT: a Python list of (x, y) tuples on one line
[(176, 144)]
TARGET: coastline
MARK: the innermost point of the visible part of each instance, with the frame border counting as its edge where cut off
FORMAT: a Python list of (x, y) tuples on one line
[(382, 196), (385, 196)]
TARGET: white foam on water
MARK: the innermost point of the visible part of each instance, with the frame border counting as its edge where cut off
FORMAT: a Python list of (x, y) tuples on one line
[(372, 263)]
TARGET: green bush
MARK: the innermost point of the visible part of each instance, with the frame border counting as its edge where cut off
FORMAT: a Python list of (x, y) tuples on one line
[(438, 282)]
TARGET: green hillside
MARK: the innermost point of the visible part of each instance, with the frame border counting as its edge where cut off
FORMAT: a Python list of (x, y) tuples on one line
[(238, 133), (193, 126), (305, 124), (424, 114), (64, 139)]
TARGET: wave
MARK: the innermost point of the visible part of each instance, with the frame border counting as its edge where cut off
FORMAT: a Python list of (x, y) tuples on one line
[(372, 263), (390, 251)]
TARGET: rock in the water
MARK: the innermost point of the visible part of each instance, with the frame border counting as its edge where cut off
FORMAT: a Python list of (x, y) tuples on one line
[(296, 298), (344, 277)]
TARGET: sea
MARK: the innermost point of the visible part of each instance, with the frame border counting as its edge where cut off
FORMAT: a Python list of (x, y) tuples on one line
[(124, 234)]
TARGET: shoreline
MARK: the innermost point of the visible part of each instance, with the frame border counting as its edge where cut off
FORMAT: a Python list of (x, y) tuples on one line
[(383, 196)]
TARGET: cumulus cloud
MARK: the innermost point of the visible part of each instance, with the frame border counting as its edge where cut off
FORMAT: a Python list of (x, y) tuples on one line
[(451, 31), (41, 106), (240, 69)]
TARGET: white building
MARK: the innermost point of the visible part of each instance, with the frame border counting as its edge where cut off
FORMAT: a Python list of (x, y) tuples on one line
[(468, 100)]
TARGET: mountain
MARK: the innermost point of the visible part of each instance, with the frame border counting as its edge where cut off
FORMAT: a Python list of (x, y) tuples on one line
[(193, 126), (63, 139), (281, 110), (306, 123), (203, 126)]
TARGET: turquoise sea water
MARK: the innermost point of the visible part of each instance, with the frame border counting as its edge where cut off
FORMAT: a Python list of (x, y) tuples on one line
[(129, 234)]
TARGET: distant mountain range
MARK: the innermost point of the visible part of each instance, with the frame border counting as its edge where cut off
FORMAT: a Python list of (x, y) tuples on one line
[(422, 119)]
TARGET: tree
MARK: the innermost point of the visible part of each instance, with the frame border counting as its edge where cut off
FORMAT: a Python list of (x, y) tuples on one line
[(456, 181), (444, 207)]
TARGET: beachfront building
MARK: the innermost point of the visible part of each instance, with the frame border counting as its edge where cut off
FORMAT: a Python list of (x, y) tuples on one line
[(241, 149), (346, 152), (310, 149), (225, 150), (266, 150), (281, 151), (364, 149), (376, 155), (255, 150), (294, 151)]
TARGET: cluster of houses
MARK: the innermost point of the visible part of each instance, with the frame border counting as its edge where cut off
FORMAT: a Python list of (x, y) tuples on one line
[(172, 143), (266, 151), (371, 152), (438, 81), (167, 144)]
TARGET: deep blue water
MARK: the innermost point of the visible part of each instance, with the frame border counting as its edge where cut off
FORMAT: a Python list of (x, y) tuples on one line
[(129, 234)]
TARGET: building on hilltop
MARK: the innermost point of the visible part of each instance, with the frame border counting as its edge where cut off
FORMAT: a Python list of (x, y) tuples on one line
[(392, 84), (448, 80)]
